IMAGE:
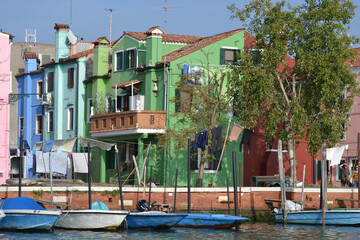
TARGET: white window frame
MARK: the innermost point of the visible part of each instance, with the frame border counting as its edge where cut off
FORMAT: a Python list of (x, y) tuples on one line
[(205, 166), (115, 60), (38, 131), (48, 121), (69, 120), (88, 119), (38, 93)]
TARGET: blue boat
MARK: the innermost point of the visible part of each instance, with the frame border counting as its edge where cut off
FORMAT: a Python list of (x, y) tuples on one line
[(24, 213), (339, 216), (153, 219), (208, 220)]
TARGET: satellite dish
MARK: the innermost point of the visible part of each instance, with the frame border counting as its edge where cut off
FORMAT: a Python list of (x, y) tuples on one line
[(71, 37)]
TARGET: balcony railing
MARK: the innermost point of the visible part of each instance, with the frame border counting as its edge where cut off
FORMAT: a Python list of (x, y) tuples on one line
[(129, 120)]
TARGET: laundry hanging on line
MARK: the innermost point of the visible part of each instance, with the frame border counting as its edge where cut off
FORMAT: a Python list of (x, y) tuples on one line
[(216, 141), (80, 162), (246, 139), (201, 140), (235, 132)]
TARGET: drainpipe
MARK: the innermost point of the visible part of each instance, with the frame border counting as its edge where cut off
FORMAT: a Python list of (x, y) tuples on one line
[(77, 105)]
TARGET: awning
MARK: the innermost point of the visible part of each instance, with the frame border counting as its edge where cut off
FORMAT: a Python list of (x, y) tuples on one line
[(95, 143), (128, 83)]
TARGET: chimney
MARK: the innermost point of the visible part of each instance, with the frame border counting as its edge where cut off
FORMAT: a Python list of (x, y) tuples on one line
[(30, 62), (61, 41), (154, 51), (101, 56)]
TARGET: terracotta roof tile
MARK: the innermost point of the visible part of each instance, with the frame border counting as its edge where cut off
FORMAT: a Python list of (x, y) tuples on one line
[(201, 43), (60, 25), (100, 39), (175, 38), (30, 55), (356, 61), (78, 55), (11, 36), (127, 84)]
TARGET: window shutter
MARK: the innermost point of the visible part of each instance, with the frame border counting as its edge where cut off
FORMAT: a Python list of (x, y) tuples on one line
[(237, 55), (127, 60), (222, 56)]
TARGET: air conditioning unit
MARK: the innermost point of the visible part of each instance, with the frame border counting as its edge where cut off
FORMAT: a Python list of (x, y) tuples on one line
[(47, 99)]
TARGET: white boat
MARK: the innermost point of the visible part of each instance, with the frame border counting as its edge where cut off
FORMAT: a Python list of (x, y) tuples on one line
[(90, 219), (2, 214)]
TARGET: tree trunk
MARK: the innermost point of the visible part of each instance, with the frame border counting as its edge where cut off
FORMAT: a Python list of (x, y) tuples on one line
[(291, 149), (200, 176)]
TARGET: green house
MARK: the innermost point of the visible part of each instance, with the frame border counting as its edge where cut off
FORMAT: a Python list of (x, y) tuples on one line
[(128, 102)]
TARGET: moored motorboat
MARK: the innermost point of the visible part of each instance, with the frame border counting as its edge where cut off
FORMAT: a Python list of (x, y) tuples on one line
[(88, 219), (153, 219), (24, 213), (338, 216), (208, 220)]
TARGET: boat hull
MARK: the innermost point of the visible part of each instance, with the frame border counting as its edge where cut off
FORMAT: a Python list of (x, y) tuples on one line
[(90, 219), (341, 217), (214, 221), (153, 220), (29, 219)]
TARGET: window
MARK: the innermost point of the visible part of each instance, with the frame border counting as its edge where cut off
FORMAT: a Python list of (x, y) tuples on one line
[(122, 103), (89, 110), (51, 121), (21, 125), (256, 56), (38, 124), (70, 117), (119, 60), (228, 55), (50, 85), (70, 83), (39, 89), (130, 57), (141, 57)]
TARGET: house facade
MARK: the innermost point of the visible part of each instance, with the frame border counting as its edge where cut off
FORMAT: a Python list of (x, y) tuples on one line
[(5, 50), (64, 88), (132, 103)]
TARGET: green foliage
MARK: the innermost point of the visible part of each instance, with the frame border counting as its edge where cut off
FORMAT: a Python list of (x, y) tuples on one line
[(37, 193), (302, 95), (101, 103)]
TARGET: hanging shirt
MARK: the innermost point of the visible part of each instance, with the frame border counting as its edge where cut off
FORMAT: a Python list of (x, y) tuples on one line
[(216, 141), (246, 139), (201, 140), (59, 162)]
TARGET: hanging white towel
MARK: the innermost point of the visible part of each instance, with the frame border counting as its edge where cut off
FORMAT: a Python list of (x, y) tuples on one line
[(335, 155), (42, 162), (80, 162), (59, 162)]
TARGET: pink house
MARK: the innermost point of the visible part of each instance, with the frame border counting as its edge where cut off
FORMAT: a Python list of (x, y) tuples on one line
[(5, 45)]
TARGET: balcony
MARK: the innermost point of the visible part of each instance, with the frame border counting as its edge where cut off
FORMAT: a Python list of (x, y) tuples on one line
[(129, 122)]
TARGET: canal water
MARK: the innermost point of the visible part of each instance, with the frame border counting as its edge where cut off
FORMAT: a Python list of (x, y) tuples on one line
[(246, 231)]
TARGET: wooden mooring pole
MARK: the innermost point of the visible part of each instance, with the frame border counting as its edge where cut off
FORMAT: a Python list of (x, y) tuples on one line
[(282, 180), (176, 177), (323, 181), (189, 159), (235, 187)]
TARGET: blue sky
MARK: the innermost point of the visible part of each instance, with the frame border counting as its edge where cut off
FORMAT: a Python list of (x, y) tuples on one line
[(90, 20)]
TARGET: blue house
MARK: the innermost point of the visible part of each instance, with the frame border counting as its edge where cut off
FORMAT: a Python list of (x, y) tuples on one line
[(30, 108)]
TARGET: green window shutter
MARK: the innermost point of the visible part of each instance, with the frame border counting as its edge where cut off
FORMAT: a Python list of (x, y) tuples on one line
[(119, 61), (222, 56), (141, 57), (126, 59)]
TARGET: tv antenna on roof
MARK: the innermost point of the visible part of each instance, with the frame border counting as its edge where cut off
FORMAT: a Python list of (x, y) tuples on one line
[(30, 35)]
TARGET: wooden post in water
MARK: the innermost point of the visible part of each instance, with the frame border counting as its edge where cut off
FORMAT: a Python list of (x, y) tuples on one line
[(282, 180), (176, 176), (240, 182), (21, 159), (149, 184), (358, 148), (89, 175), (189, 159), (323, 181), (228, 195), (119, 177), (302, 189), (235, 187)]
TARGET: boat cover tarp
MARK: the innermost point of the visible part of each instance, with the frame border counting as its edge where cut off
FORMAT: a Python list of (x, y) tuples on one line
[(20, 203), (99, 206)]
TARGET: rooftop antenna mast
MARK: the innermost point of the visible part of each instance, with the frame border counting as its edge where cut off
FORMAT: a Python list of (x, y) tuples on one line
[(70, 14), (30, 35)]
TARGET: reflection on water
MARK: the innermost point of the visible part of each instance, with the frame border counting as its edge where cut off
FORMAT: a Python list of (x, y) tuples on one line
[(246, 231)]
